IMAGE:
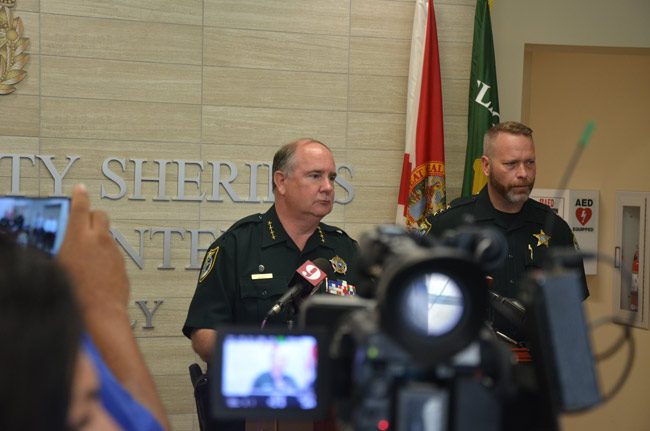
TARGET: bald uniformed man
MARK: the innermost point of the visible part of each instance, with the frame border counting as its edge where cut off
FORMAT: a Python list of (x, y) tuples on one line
[(249, 267), (530, 228)]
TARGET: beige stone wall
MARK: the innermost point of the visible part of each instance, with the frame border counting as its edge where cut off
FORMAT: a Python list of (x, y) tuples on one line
[(218, 80)]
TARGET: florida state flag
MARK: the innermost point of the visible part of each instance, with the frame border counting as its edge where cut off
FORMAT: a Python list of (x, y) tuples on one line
[(422, 187)]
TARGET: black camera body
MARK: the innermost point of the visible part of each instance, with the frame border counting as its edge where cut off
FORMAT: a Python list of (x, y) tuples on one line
[(381, 385), (413, 351), (410, 358)]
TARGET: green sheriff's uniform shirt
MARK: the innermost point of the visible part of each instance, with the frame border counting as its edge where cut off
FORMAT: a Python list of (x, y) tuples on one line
[(528, 242), (249, 267)]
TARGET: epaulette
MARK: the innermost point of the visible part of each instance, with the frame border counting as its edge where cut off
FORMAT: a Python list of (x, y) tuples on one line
[(535, 203), (541, 206), (459, 202), (441, 210), (456, 203), (253, 218), (333, 229)]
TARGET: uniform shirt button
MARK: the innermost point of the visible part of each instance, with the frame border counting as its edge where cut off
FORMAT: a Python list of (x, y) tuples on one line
[(264, 292), (511, 281), (509, 256)]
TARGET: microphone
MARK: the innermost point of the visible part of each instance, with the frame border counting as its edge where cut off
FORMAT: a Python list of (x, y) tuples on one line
[(309, 277), (509, 309)]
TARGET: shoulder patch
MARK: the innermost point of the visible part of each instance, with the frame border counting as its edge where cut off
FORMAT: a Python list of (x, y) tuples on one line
[(575, 242), (208, 263), (425, 226)]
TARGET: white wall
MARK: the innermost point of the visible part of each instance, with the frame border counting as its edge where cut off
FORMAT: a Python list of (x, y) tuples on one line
[(622, 23)]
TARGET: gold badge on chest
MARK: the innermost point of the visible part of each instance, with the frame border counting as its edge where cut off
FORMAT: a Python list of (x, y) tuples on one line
[(339, 265), (542, 238)]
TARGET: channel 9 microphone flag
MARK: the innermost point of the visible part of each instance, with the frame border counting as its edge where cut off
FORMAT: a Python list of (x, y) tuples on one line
[(483, 98), (422, 185)]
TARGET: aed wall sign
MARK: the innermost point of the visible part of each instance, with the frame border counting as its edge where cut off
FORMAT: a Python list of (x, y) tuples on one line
[(579, 208)]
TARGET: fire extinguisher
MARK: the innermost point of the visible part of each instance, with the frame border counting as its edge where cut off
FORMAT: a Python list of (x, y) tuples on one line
[(634, 288)]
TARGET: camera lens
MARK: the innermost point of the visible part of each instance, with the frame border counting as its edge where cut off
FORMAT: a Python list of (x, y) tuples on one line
[(433, 303)]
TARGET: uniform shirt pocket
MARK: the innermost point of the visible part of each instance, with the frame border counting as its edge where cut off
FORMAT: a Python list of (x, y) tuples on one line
[(261, 289), (258, 296), (535, 256)]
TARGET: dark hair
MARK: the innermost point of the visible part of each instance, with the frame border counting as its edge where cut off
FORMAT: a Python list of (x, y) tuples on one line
[(509, 127), (284, 158), (40, 332)]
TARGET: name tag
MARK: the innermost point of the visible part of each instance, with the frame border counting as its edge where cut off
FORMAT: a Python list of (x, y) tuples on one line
[(267, 276)]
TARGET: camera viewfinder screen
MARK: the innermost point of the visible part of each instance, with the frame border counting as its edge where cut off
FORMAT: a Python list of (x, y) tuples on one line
[(269, 372), (435, 304), (35, 222)]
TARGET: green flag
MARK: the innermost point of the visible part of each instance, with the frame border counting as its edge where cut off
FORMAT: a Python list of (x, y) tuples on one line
[(483, 98)]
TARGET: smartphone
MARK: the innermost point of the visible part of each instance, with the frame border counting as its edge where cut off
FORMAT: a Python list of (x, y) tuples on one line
[(35, 222)]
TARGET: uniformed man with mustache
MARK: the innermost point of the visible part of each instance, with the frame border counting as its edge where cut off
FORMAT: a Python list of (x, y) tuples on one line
[(530, 227)]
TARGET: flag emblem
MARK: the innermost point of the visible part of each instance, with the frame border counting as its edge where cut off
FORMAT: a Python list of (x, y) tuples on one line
[(426, 192)]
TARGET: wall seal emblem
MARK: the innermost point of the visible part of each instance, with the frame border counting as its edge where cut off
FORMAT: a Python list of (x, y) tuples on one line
[(13, 47)]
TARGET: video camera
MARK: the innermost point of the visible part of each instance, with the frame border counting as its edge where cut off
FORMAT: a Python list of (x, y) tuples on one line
[(413, 351)]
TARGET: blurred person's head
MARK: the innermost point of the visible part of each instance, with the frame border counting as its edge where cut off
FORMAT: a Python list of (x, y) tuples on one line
[(86, 412), (40, 334)]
